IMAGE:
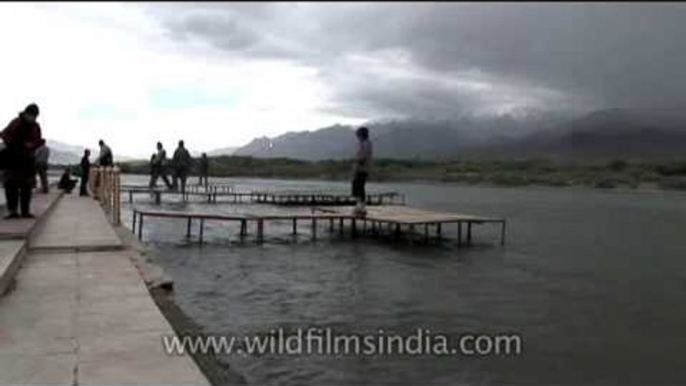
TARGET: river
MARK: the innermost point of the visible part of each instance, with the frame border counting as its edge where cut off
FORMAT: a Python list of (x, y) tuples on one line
[(593, 282)]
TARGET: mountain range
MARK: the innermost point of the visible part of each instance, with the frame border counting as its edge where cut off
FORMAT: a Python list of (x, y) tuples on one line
[(66, 154), (600, 135)]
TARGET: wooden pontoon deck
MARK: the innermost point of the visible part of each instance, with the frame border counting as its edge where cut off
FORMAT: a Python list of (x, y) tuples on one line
[(392, 220)]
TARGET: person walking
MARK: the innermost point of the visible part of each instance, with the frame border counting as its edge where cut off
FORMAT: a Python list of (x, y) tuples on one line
[(181, 162), (204, 169), (21, 137), (85, 172), (42, 158), (158, 167), (360, 170)]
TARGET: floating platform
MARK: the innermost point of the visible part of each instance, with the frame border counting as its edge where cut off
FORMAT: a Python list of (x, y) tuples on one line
[(393, 221), (227, 193), (310, 198)]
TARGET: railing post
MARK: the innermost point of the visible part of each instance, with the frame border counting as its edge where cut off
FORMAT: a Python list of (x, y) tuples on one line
[(106, 187), (117, 196)]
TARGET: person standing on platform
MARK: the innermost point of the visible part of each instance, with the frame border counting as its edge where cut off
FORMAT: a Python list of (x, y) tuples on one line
[(85, 172), (204, 169), (21, 137), (159, 166), (42, 159), (361, 166), (181, 162)]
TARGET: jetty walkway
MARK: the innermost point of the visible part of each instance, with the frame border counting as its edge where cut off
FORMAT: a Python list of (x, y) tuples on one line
[(75, 310), (228, 194), (391, 220)]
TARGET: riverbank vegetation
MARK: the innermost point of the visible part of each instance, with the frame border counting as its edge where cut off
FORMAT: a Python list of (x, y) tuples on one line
[(539, 172)]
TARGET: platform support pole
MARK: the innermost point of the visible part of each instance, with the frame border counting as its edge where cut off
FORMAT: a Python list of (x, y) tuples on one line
[(140, 226), (502, 233)]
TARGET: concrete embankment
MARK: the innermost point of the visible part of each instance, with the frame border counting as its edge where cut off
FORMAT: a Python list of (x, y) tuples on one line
[(79, 312)]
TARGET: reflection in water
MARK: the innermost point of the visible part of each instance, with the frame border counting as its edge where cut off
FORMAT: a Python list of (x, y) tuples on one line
[(593, 281)]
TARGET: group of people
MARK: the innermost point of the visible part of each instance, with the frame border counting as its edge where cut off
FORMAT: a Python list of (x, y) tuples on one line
[(105, 158), (178, 167), (25, 154)]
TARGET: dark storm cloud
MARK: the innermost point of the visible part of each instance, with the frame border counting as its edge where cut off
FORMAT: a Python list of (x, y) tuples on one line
[(552, 55)]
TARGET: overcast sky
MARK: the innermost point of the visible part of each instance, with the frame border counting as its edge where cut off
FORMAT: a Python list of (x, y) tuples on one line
[(219, 74)]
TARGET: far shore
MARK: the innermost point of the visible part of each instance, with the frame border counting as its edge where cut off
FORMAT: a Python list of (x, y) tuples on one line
[(616, 174)]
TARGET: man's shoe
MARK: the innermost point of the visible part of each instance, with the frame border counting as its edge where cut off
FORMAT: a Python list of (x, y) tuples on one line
[(11, 216), (27, 215)]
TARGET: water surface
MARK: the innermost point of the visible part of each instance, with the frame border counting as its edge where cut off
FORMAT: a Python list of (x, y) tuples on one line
[(594, 282)]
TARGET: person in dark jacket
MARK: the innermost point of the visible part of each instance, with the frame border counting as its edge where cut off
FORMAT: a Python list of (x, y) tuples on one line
[(105, 158), (159, 166), (181, 162), (85, 172), (204, 169), (22, 137), (363, 159), (66, 182)]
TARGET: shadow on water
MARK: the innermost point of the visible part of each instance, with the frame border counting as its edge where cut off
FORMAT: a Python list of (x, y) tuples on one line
[(593, 282)]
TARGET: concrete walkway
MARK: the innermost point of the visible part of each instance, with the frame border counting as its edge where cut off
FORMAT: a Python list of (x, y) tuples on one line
[(15, 233), (20, 229), (84, 317), (78, 224)]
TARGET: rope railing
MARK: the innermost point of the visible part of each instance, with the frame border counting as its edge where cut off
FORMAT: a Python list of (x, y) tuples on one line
[(105, 185)]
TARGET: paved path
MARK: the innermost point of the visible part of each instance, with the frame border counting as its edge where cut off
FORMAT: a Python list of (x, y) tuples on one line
[(84, 318), (20, 229), (78, 224), (15, 233)]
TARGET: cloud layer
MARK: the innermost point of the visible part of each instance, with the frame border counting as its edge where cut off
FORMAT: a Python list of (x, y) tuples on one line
[(219, 74), (429, 58)]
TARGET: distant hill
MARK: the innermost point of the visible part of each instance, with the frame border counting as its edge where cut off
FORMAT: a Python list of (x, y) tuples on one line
[(222, 151), (412, 138), (63, 154), (66, 154), (603, 134)]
